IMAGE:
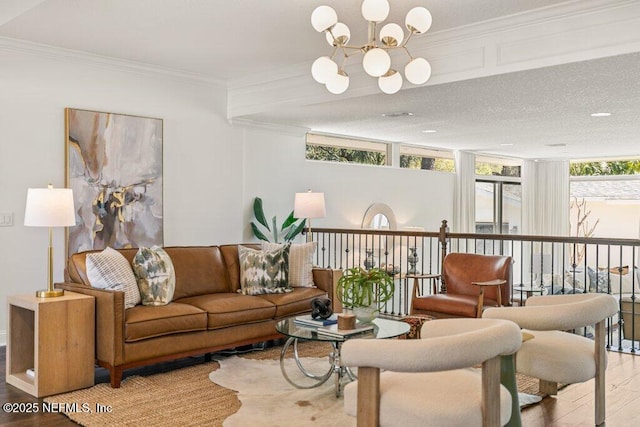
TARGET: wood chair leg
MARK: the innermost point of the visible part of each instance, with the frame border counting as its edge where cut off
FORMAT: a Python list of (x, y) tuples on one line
[(480, 303), (548, 387), (491, 392), (368, 397), (600, 387)]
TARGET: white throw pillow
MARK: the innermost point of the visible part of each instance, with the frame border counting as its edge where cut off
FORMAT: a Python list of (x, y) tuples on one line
[(109, 269), (300, 263)]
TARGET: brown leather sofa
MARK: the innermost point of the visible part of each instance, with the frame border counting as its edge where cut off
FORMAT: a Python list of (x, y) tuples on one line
[(207, 313)]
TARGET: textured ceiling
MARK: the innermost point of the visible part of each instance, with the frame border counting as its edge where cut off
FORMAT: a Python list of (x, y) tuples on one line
[(536, 111), (224, 40)]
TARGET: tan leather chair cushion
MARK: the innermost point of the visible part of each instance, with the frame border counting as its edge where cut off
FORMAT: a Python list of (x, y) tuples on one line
[(454, 305)]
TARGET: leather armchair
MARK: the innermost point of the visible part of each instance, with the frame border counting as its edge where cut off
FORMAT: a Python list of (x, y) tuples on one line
[(472, 282)]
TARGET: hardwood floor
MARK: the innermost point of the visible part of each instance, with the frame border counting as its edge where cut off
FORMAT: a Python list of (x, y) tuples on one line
[(573, 406)]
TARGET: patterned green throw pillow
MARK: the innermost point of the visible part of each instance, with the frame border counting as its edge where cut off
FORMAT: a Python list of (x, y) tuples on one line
[(155, 274), (264, 272)]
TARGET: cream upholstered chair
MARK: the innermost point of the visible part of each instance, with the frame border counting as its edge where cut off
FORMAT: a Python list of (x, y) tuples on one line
[(425, 383), (555, 356)]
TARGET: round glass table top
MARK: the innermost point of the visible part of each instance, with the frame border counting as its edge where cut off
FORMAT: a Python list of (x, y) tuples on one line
[(382, 328)]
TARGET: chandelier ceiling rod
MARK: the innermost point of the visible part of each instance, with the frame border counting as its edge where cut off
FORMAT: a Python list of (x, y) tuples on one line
[(376, 61)]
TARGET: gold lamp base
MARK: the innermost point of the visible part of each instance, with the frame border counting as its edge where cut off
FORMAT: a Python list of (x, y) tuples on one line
[(46, 293)]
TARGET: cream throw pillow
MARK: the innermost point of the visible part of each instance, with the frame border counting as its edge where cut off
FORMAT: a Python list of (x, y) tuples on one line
[(109, 269), (300, 262)]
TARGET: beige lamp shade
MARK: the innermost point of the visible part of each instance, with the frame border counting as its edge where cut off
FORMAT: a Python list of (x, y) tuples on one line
[(309, 205), (49, 207)]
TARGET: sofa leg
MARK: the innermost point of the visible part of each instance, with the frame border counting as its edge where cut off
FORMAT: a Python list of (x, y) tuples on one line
[(115, 374), (207, 357)]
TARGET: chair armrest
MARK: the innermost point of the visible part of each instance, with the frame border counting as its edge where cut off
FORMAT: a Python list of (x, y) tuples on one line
[(443, 346), (109, 321), (434, 281), (497, 283), (558, 312)]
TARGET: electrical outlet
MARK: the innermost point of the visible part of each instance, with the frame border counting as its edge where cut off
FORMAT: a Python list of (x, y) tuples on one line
[(6, 219)]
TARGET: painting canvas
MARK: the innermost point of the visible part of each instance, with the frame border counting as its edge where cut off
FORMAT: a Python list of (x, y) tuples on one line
[(114, 166)]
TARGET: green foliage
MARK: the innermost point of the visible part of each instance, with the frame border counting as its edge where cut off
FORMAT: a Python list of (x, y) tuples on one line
[(361, 288), (493, 169), (290, 228), (620, 167), (427, 163), (336, 154)]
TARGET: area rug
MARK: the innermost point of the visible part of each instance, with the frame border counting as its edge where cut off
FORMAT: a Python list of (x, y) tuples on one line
[(187, 396), (269, 400)]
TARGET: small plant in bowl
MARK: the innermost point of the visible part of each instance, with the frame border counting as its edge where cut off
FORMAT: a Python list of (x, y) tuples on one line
[(364, 291)]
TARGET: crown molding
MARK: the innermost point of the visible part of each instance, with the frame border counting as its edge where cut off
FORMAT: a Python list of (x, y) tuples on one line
[(79, 57), (573, 31), (270, 127)]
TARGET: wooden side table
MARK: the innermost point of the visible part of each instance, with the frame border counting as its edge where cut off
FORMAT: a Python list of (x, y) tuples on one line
[(54, 337)]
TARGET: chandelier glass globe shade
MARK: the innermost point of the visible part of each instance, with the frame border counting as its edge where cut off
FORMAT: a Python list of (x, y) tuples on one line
[(339, 35), (323, 18), (418, 20), (375, 10), (338, 83), (323, 69), (392, 35), (376, 62), (418, 71), (391, 82)]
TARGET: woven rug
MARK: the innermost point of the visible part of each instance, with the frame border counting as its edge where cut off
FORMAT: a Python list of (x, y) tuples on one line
[(185, 397)]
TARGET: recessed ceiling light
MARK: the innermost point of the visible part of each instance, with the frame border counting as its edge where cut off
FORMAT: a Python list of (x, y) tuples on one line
[(429, 131), (397, 114), (600, 114), (506, 144)]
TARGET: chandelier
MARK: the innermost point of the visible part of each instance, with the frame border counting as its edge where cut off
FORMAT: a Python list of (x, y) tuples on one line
[(376, 60)]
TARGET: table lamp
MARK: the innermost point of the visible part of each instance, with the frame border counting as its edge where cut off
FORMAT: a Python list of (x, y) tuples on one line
[(49, 207), (309, 205)]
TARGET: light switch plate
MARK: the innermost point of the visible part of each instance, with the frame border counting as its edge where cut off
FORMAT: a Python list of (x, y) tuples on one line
[(6, 219)]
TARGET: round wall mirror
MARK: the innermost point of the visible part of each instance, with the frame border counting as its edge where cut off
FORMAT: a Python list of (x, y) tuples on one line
[(379, 216)]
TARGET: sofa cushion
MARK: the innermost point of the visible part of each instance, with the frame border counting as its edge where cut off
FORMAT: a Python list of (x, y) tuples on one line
[(200, 270), (296, 302), (300, 262), (231, 309), (264, 272), (110, 270), (155, 275), (142, 322)]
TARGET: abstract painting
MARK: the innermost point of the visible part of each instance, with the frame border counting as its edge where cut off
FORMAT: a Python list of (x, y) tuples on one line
[(114, 167)]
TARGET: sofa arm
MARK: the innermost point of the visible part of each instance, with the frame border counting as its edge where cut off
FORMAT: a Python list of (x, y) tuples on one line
[(327, 280), (109, 321)]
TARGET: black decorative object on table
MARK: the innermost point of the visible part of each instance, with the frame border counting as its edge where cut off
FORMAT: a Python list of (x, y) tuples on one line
[(321, 308)]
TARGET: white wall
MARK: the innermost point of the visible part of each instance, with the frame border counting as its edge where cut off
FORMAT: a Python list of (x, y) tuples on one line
[(275, 169), (202, 154), (212, 170)]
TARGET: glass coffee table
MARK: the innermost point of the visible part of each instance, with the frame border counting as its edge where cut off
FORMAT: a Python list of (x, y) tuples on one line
[(382, 329)]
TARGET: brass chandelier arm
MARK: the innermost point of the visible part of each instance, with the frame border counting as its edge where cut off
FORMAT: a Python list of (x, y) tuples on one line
[(377, 59)]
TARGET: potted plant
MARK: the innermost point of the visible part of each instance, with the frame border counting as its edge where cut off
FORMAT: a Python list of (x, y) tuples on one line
[(364, 291)]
